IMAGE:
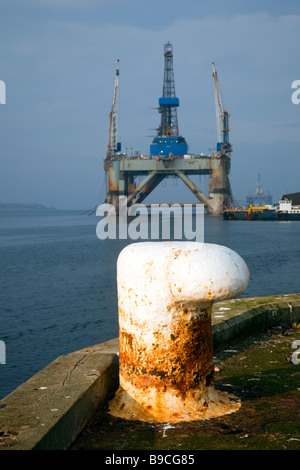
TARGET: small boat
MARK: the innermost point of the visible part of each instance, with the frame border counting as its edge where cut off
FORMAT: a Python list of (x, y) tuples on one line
[(284, 210)]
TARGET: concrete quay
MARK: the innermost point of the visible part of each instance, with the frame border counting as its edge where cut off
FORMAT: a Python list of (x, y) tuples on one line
[(51, 409)]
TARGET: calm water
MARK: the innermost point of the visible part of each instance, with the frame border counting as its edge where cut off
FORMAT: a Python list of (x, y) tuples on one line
[(58, 281)]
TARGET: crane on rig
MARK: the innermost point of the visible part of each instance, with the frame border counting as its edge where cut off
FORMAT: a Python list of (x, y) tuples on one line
[(222, 116), (113, 144)]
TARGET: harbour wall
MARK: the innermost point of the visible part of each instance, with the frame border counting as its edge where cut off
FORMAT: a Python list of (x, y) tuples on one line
[(49, 411)]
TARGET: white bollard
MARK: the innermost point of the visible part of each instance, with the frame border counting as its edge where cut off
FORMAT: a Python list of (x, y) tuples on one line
[(165, 295)]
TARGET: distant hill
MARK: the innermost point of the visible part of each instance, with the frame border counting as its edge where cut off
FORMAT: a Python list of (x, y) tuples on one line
[(20, 208), (25, 207), (294, 197)]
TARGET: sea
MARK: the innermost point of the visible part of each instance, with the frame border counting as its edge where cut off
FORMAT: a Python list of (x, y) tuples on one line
[(58, 289)]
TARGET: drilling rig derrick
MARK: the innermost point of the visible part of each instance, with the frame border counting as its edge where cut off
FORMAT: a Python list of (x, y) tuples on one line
[(168, 142)]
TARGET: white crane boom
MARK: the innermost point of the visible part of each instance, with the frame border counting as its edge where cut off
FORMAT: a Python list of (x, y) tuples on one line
[(219, 106), (114, 115)]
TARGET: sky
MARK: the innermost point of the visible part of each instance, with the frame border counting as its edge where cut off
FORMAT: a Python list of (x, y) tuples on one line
[(57, 60)]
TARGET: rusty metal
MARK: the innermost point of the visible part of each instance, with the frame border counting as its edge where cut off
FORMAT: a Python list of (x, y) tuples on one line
[(123, 171), (166, 356)]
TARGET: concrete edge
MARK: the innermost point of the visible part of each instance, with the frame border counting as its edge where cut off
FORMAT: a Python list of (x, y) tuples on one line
[(50, 410), (265, 313)]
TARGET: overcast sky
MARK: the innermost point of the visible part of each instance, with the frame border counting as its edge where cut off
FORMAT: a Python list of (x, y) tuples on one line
[(57, 59)]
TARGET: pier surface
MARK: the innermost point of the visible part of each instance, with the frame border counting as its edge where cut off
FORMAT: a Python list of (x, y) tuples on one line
[(52, 408)]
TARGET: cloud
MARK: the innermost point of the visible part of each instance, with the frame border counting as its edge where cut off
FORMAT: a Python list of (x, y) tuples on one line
[(60, 75), (289, 124), (68, 4)]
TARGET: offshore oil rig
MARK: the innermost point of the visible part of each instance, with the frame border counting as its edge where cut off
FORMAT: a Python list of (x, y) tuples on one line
[(169, 155), (259, 197)]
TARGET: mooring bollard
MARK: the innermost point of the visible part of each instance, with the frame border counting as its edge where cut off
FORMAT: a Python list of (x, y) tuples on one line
[(165, 294)]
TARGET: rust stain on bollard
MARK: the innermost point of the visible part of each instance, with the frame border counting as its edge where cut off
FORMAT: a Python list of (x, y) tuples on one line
[(180, 359), (166, 354)]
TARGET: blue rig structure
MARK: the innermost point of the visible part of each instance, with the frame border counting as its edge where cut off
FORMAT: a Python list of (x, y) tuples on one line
[(168, 140), (169, 155)]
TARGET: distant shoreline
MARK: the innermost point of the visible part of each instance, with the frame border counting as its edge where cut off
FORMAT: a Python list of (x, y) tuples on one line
[(19, 207)]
